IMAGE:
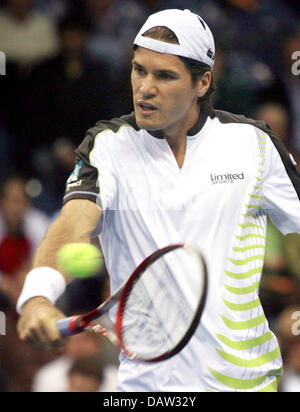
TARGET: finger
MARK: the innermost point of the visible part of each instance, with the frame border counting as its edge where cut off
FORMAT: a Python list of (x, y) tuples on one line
[(40, 341), (35, 343), (54, 334), (49, 336)]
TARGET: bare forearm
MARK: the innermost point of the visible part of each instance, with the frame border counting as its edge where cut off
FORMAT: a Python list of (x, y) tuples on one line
[(58, 234), (67, 228), (37, 324)]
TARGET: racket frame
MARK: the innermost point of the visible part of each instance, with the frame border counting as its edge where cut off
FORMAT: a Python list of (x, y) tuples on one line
[(127, 288), (80, 323)]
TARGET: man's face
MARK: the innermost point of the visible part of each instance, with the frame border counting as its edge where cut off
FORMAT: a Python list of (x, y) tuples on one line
[(163, 93)]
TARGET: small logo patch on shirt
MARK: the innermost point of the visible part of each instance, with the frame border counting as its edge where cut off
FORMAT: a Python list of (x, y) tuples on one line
[(75, 174), (226, 177)]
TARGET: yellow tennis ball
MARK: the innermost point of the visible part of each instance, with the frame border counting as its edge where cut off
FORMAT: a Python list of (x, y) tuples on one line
[(79, 260)]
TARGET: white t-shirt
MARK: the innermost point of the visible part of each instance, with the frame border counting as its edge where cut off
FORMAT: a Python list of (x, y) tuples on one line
[(235, 173)]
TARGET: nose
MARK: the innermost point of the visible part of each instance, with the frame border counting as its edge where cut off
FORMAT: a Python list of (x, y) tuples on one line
[(148, 87)]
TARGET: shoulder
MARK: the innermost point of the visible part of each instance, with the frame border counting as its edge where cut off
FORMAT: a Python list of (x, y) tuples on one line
[(114, 125), (237, 119), (109, 130), (260, 128)]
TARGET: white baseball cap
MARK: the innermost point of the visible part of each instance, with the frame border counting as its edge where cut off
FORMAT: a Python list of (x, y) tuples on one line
[(195, 38)]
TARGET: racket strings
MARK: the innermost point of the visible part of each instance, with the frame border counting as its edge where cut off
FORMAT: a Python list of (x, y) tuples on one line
[(162, 304)]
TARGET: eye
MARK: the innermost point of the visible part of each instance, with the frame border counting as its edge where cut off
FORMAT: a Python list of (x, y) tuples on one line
[(166, 76), (138, 70)]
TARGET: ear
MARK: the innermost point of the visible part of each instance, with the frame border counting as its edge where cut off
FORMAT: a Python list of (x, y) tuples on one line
[(203, 84)]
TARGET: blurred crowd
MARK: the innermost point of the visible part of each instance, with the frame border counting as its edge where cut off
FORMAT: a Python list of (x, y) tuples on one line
[(68, 66)]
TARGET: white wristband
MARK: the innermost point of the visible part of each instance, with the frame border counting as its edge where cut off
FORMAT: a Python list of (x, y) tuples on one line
[(42, 281)]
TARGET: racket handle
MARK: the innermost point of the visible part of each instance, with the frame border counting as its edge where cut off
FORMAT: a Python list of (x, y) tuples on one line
[(70, 326)]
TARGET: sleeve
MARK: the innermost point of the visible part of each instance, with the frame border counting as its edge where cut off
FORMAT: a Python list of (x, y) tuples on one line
[(281, 187), (93, 177)]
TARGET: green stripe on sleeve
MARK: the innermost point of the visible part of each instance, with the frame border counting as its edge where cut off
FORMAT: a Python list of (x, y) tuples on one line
[(256, 197), (244, 275), (246, 260), (244, 226), (242, 306), (245, 344), (272, 387), (241, 325), (253, 206), (244, 249), (251, 235), (235, 383), (243, 291), (250, 363)]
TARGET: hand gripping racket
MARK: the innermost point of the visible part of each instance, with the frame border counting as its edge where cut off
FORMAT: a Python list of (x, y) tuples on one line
[(159, 306)]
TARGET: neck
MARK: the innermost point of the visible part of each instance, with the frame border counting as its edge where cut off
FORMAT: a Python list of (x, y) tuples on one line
[(176, 136), (178, 149)]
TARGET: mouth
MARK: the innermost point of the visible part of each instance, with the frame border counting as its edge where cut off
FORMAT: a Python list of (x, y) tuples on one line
[(146, 108)]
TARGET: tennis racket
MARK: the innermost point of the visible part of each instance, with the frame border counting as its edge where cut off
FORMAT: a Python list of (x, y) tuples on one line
[(159, 306)]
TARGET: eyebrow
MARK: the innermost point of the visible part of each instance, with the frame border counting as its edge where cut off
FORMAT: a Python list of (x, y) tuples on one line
[(159, 71)]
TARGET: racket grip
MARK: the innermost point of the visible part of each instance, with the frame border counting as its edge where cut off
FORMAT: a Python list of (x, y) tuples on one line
[(69, 326)]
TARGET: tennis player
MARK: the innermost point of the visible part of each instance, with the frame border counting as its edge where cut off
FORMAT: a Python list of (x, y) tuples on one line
[(176, 170)]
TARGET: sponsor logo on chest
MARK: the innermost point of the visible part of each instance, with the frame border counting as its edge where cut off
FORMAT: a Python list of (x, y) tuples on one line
[(226, 178)]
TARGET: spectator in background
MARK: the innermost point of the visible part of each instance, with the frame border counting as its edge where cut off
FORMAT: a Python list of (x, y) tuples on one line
[(86, 375), (69, 91), (26, 37), (21, 229), (54, 377)]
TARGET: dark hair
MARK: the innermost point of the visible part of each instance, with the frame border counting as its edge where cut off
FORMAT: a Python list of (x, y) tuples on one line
[(196, 68)]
